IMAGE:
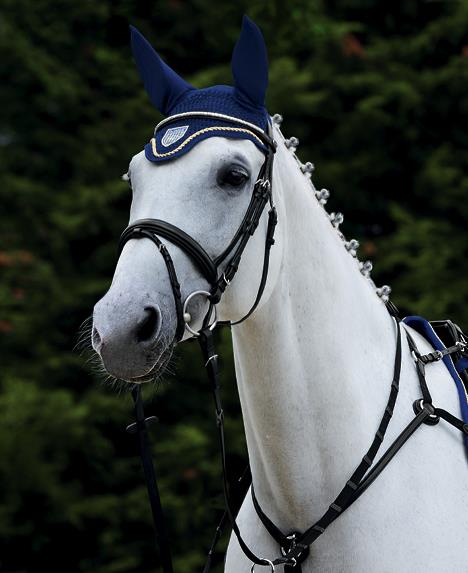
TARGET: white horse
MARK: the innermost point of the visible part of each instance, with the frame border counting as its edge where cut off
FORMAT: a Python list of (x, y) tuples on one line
[(314, 365)]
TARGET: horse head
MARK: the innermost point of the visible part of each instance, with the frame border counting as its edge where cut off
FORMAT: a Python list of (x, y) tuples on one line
[(197, 177)]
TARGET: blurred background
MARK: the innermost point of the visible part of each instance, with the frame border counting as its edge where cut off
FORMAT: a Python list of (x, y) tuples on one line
[(376, 92)]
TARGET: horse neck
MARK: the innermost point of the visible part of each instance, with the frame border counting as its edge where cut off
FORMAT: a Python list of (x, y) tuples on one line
[(312, 380)]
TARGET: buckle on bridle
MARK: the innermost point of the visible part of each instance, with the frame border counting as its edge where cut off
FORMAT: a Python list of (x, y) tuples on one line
[(263, 184), (462, 345)]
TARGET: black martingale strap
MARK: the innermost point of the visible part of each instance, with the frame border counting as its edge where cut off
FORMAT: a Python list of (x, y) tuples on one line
[(295, 547), (301, 542)]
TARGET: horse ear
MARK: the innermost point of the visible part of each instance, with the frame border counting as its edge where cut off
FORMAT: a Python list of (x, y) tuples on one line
[(250, 64), (162, 84)]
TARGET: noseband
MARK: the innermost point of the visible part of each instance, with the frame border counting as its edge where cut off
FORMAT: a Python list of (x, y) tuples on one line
[(155, 229)]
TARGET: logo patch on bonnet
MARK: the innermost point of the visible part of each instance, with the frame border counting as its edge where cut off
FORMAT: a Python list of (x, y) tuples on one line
[(173, 134)]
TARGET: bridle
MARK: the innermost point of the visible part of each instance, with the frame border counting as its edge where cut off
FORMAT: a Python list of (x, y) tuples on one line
[(294, 545), (155, 229)]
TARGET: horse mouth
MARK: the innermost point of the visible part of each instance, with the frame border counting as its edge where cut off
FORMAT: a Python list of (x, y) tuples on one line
[(156, 372)]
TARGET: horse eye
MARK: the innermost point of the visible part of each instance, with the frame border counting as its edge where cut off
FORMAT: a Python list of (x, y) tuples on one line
[(233, 176)]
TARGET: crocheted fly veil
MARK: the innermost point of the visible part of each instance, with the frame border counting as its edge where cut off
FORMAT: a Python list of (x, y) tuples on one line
[(174, 97)]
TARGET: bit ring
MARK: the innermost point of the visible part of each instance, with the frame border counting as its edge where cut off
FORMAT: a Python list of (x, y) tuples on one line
[(187, 315)]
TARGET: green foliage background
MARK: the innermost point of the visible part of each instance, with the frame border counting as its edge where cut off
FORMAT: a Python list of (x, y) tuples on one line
[(377, 93)]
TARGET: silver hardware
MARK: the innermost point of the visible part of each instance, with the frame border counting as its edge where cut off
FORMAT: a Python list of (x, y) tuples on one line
[(213, 311), (413, 354), (384, 292), (263, 183), (365, 268), (292, 143), (210, 359), (277, 118), (227, 282), (125, 177), (187, 317), (308, 168), (266, 562), (421, 405), (323, 195), (336, 219)]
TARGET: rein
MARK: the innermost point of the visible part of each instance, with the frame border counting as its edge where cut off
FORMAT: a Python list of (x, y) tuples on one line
[(295, 546)]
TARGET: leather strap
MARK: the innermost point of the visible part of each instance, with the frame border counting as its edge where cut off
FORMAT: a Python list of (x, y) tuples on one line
[(140, 427), (362, 478), (295, 546), (139, 232), (176, 236)]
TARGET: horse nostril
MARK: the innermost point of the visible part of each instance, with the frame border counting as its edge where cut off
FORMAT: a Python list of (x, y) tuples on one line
[(148, 328)]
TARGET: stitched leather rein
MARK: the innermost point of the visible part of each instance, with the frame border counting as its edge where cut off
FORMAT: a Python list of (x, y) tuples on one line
[(294, 545)]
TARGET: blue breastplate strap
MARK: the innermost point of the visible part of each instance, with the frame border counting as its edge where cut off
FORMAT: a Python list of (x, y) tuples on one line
[(455, 367)]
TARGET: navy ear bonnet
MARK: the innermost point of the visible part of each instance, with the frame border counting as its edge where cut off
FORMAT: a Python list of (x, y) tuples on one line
[(173, 97)]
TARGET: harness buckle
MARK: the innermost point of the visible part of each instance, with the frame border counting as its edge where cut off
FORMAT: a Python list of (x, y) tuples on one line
[(264, 184), (293, 562), (462, 345), (292, 539)]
